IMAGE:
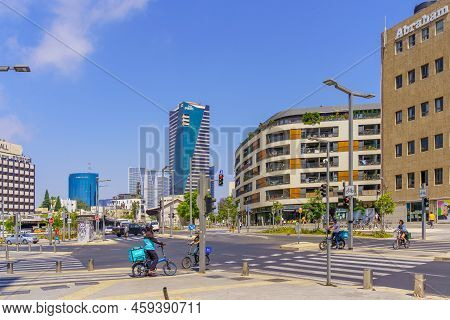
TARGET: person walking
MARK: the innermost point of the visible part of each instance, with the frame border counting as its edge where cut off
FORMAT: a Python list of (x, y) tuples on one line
[(431, 218)]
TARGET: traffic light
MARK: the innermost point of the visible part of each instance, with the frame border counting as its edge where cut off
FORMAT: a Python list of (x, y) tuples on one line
[(209, 204), (426, 202), (221, 178), (347, 202), (323, 190)]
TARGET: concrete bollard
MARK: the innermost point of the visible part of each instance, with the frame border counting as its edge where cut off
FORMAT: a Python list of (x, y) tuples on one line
[(29, 247), (90, 265), (9, 268), (419, 285), (17, 247), (7, 252), (245, 269), (40, 248), (58, 266), (368, 279), (54, 247), (166, 293)]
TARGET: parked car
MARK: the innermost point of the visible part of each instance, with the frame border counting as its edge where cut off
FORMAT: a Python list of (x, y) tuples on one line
[(22, 238), (155, 225), (136, 229), (108, 230)]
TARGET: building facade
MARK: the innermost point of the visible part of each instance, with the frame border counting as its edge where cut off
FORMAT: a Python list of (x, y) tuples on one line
[(416, 111), (17, 180), (279, 161), (189, 138), (149, 184), (70, 205), (83, 187)]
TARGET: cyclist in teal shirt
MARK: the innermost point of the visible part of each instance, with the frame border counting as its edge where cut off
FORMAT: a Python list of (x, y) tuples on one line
[(150, 250)]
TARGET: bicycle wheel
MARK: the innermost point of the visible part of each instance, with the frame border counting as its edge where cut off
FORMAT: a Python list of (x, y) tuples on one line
[(186, 263), (323, 245), (169, 268), (407, 244), (395, 245), (207, 260), (341, 244), (139, 270)]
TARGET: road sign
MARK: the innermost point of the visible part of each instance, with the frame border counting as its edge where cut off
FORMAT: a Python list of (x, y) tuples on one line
[(50, 220), (349, 191), (191, 227), (423, 192), (69, 220)]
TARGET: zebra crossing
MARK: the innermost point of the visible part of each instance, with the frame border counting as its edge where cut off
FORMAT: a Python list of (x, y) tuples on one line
[(346, 268), (43, 264), (427, 246)]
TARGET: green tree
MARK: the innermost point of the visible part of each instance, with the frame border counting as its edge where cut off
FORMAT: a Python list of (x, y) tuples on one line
[(9, 224), (385, 205), (227, 210), (46, 203), (183, 207), (277, 208), (311, 118), (315, 208), (81, 205), (58, 206), (134, 209)]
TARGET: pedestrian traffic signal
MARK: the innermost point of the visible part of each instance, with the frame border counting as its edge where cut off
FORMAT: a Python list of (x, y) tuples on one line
[(426, 202), (209, 204), (347, 202), (220, 178), (323, 190)]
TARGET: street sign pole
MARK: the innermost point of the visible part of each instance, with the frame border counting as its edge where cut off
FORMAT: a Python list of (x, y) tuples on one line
[(423, 195), (350, 169), (202, 191), (64, 226), (328, 218)]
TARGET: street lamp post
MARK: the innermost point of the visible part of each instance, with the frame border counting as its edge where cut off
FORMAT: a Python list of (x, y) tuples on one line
[(190, 195), (351, 94), (161, 213)]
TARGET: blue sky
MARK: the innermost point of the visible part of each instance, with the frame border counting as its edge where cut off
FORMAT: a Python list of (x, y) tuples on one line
[(246, 59)]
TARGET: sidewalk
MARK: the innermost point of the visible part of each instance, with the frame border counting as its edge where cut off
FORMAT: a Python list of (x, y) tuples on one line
[(194, 286)]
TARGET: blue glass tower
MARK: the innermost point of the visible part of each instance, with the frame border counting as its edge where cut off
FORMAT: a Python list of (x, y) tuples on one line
[(83, 187), (188, 139)]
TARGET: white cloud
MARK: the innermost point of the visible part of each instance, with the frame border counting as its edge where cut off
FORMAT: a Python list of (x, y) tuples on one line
[(12, 128), (73, 23)]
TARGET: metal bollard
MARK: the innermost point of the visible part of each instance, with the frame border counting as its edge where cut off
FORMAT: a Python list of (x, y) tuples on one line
[(7, 252), (90, 266), (17, 247), (9, 268), (40, 248), (419, 285), (58, 266), (166, 294), (368, 279), (29, 247), (54, 247), (245, 269)]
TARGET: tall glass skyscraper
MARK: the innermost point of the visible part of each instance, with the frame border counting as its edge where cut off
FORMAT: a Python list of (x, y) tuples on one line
[(83, 187), (149, 184), (189, 138)]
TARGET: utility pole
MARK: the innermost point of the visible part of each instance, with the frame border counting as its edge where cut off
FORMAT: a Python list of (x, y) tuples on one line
[(190, 195), (64, 226), (171, 207), (202, 192), (423, 195), (3, 217), (161, 212), (328, 218)]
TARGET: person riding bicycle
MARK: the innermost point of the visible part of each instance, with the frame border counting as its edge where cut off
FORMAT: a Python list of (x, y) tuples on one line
[(335, 228), (402, 229), (196, 242), (150, 250)]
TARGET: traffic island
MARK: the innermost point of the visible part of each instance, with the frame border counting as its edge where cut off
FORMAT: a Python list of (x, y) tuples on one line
[(300, 246)]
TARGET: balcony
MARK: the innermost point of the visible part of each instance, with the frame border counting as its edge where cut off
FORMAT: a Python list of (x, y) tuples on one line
[(277, 166), (369, 160), (277, 137), (277, 195), (369, 176)]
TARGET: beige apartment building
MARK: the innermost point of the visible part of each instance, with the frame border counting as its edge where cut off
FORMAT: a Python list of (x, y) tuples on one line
[(416, 110), (279, 161)]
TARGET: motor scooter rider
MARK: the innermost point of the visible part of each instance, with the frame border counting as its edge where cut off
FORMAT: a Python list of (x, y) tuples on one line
[(150, 250), (336, 228)]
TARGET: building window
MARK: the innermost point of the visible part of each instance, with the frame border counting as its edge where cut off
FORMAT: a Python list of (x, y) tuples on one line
[(439, 26), (411, 113), (424, 144), (398, 150), (425, 34), (424, 70), (411, 180), (439, 104), (398, 182), (439, 64), (424, 178), (439, 141), (411, 148), (412, 40), (438, 176), (398, 81), (398, 117), (425, 109), (399, 46), (411, 76)]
